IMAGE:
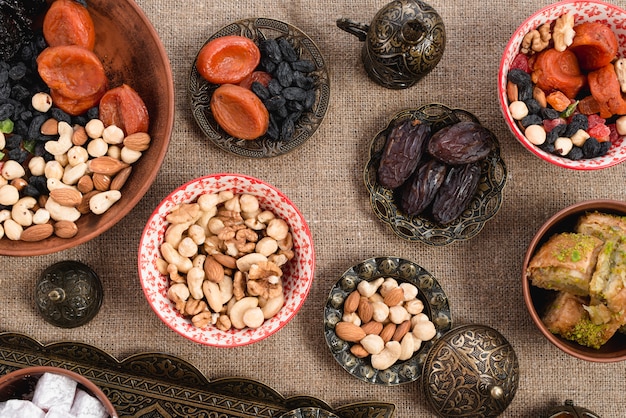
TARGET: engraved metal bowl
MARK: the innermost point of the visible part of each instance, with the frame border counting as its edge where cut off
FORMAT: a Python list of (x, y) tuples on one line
[(430, 293), (200, 92), (472, 371), (484, 206)]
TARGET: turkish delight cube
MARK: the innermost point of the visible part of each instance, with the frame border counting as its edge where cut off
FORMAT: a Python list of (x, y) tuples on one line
[(87, 406), (58, 413), (18, 408), (56, 390)]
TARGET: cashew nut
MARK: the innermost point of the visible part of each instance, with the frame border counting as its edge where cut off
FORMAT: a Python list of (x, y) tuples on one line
[(59, 212), (373, 344), (195, 277), (239, 308), (174, 233), (367, 289), (213, 296), (414, 306), (64, 143), (244, 263), (398, 314), (101, 202), (21, 211), (423, 330), (407, 346), (410, 291), (226, 289), (13, 230), (388, 356), (187, 248), (380, 311), (172, 256), (253, 318)]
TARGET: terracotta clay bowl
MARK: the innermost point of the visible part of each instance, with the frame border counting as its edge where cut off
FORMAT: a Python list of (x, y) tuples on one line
[(537, 300), (132, 53), (583, 11), (21, 382)]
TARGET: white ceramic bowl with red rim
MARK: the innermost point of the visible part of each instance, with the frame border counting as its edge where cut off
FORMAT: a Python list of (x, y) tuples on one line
[(298, 273), (590, 11)]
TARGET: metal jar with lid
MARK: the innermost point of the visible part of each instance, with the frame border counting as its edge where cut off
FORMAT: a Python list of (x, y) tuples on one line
[(404, 42)]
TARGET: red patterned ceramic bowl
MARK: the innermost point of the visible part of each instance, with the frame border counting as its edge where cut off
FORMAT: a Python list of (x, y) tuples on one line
[(297, 276), (583, 11)]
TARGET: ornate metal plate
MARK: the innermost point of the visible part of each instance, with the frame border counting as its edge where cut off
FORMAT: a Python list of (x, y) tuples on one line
[(309, 412), (200, 91), (420, 228), (435, 306), (152, 385)]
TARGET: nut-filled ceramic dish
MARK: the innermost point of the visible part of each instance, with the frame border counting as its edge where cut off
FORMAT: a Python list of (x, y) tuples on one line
[(483, 204), (418, 298), (131, 54), (579, 313), (226, 260), (576, 101), (291, 123)]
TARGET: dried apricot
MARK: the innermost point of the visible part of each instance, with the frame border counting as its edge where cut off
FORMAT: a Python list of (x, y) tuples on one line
[(228, 59), (595, 45), (558, 100), (239, 112), (73, 71), (68, 22), (554, 70), (258, 76), (605, 88), (123, 107), (76, 107)]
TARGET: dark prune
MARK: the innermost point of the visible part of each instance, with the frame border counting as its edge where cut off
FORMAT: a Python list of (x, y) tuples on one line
[(456, 192), (287, 50), (402, 152), (461, 143), (423, 187)]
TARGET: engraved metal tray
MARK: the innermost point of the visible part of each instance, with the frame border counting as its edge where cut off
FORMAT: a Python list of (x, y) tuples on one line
[(155, 385)]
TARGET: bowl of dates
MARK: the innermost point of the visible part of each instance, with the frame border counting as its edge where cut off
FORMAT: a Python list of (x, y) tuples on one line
[(573, 280), (435, 175), (226, 260), (382, 317), (561, 84), (259, 88), (77, 152)]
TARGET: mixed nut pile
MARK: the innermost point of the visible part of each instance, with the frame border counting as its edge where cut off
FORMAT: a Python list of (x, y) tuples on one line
[(223, 255), (384, 320)]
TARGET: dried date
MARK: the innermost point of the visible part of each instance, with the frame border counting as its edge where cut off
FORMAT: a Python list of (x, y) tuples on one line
[(462, 143), (456, 192), (423, 187), (402, 153)]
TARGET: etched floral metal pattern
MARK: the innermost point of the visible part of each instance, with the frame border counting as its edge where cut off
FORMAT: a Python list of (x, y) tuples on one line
[(484, 206), (430, 293), (471, 372), (155, 385), (200, 92)]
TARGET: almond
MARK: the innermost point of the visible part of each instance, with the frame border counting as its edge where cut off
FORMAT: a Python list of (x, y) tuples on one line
[(213, 270), (372, 327), (347, 331), (225, 260), (79, 137), (101, 182), (401, 330), (120, 178), (37, 232), (358, 351), (50, 127), (352, 302), (106, 165), (83, 207), (365, 310), (387, 333), (65, 229), (85, 184), (67, 196), (394, 297), (139, 141)]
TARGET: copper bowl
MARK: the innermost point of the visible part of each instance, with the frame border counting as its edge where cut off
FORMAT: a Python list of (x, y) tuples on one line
[(19, 382), (131, 54), (537, 300)]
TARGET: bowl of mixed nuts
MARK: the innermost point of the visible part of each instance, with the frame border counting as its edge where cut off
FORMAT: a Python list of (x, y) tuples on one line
[(561, 83), (435, 175), (226, 260), (78, 153), (382, 317)]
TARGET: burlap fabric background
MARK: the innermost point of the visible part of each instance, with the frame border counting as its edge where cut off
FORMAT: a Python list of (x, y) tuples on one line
[(323, 178)]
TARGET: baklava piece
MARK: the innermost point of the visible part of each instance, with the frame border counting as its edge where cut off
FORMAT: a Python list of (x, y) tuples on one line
[(602, 225)]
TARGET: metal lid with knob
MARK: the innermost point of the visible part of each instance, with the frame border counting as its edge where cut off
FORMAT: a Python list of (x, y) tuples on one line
[(68, 294), (470, 371)]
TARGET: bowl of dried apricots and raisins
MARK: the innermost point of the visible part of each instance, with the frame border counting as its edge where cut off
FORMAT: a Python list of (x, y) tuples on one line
[(561, 84), (78, 152), (435, 175), (259, 88)]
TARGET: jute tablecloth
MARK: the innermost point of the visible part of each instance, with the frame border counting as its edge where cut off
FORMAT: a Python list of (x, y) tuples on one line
[(324, 179)]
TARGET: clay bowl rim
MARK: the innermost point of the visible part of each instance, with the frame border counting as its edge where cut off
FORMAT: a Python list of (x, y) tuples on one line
[(152, 158), (540, 16), (91, 387), (556, 223)]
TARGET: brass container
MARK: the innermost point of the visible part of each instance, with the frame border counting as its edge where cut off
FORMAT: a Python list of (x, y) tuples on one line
[(568, 410), (404, 42)]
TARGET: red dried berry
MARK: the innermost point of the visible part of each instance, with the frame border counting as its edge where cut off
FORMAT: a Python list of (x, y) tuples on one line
[(600, 131), (594, 120), (521, 62)]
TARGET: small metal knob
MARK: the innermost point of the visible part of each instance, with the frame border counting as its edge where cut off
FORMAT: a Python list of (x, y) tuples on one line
[(68, 294)]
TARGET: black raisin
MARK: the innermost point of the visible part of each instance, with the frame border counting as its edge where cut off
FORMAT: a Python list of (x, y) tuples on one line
[(288, 51), (260, 90), (30, 190), (303, 81), (551, 136), (524, 92), (6, 111), (274, 87), (40, 183), (519, 77), (592, 148), (93, 113), (531, 120), (294, 93), (18, 154), (548, 147), (272, 130), (533, 106), (60, 115), (309, 100), (304, 66), (287, 130), (13, 141), (549, 113), (274, 103), (270, 49), (18, 71), (267, 65), (576, 153), (34, 130), (294, 106), (19, 92), (284, 74)]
